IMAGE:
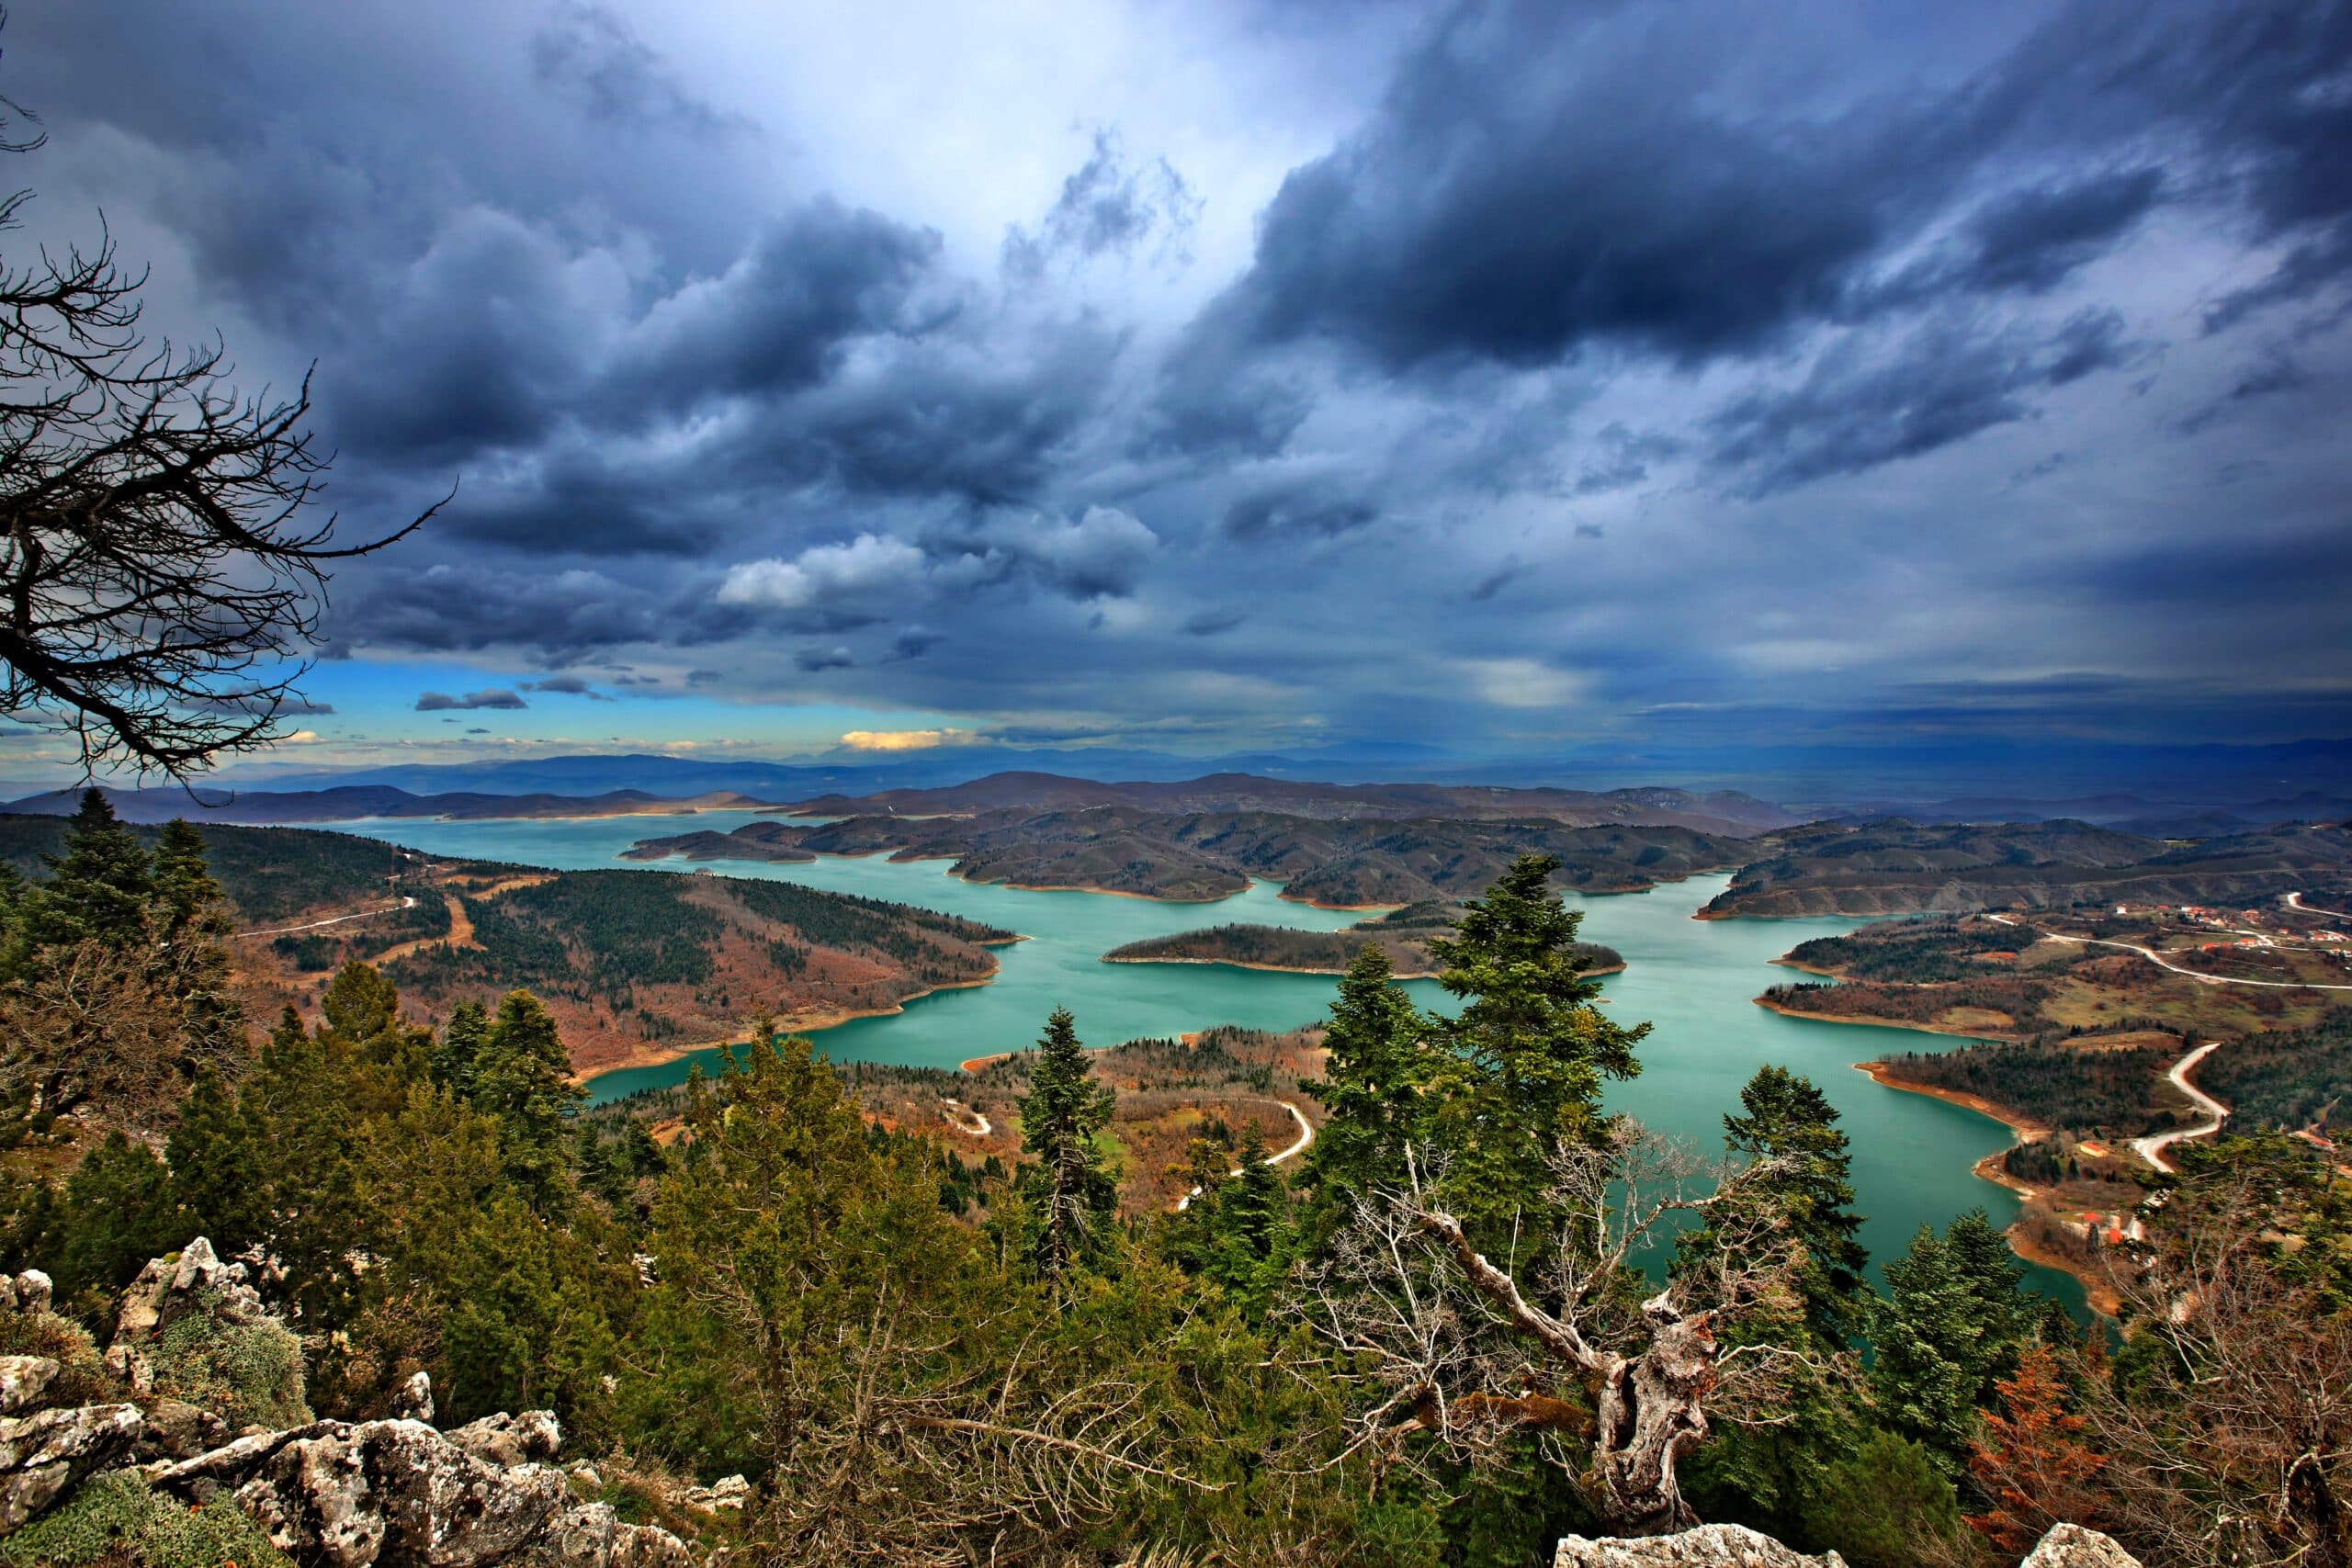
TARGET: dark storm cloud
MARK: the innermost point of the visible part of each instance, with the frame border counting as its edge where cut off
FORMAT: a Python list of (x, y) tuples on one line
[(593, 56), (1304, 510), (1537, 179), (914, 642), (573, 686), (1498, 379), (494, 697), (1939, 385), (1213, 623), (778, 319), (265, 702), (1540, 179), (2033, 239), (442, 610)]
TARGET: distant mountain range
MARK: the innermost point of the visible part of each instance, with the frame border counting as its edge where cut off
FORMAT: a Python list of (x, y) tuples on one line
[(1717, 811), (349, 802), (2161, 791)]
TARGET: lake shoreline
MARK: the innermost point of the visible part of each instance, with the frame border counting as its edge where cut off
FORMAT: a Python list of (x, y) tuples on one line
[(647, 1053)]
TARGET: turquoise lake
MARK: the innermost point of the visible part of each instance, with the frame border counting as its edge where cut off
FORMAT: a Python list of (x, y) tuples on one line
[(1694, 980)]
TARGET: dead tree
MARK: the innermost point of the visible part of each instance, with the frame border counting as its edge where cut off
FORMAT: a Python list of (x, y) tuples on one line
[(160, 583), (1617, 1387), (2228, 1433)]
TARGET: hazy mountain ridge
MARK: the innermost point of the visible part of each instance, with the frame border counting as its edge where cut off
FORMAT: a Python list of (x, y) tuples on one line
[(1895, 867)]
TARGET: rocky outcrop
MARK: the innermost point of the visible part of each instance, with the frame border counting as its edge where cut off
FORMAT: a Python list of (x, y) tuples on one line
[(1709, 1546), (23, 1380), (1732, 1546), (2072, 1546), (194, 1280), (44, 1456), (382, 1492)]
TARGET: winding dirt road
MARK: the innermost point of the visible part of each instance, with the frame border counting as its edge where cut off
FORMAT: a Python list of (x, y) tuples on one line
[(2151, 1148), (406, 902), (1305, 1136)]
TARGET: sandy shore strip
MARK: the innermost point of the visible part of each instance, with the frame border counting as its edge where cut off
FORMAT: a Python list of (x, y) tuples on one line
[(2024, 1126), (1952, 1032), (646, 1054)]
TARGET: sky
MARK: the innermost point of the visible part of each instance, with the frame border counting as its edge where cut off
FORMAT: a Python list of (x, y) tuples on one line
[(1542, 380)]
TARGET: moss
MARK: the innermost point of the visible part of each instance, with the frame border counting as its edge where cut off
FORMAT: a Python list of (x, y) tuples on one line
[(116, 1518), (82, 1376), (250, 1372)]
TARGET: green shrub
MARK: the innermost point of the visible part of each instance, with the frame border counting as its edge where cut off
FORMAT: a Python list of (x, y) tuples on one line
[(116, 1516), (1885, 1505), (81, 1376), (250, 1372)]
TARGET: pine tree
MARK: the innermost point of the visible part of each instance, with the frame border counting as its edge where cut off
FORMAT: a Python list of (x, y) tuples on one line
[(195, 921), (15, 909), (1951, 1326), (1070, 1187), (1788, 1121), (183, 879), (1522, 1065), (1249, 1206), (522, 1077), (99, 887), (456, 1058), (1376, 1064)]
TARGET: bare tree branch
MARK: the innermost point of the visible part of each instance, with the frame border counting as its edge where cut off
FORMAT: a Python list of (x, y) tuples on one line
[(160, 590)]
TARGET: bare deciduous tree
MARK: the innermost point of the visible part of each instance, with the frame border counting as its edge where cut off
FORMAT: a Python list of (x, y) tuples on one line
[(107, 1026), (1618, 1388), (2229, 1433), (159, 585), (991, 1464)]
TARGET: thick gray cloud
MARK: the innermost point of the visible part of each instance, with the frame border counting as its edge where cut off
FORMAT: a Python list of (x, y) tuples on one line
[(1511, 376)]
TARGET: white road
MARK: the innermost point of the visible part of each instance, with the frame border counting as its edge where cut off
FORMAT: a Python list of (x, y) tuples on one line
[(1305, 1136), (406, 903), (2193, 974), (2152, 1150), (2295, 901), (957, 1110)]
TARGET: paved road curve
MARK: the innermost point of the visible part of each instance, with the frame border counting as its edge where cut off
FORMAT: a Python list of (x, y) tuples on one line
[(1305, 1136), (2151, 1148)]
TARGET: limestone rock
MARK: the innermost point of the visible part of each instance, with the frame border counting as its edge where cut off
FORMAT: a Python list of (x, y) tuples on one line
[(397, 1491), (22, 1379), (28, 1292), (414, 1400), (2072, 1546), (1732, 1546), (176, 1429), (1709, 1546), (193, 1327), (511, 1441), (169, 1288), (42, 1456)]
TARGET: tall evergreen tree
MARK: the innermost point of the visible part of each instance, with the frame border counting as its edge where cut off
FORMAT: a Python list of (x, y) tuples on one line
[(183, 878), (1376, 1063), (1951, 1326), (457, 1056), (195, 919), (522, 1077), (98, 888), (1070, 1189), (1785, 1120), (1523, 1064)]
